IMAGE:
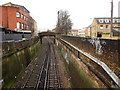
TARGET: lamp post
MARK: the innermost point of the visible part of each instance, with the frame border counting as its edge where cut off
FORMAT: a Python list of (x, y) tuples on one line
[(111, 23)]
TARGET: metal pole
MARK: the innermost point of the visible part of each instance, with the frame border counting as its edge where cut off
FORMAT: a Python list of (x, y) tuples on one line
[(58, 18), (78, 54), (111, 19)]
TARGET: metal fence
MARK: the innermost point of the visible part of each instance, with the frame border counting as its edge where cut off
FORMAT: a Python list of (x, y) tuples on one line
[(77, 53)]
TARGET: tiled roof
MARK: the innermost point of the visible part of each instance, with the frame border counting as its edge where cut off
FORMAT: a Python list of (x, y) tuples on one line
[(75, 30)]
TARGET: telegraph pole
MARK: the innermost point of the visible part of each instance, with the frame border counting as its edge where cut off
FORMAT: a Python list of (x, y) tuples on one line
[(111, 24), (58, 18)]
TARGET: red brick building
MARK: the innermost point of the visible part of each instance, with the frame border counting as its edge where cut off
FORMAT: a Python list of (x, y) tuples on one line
[(16, 17), (74, 32)]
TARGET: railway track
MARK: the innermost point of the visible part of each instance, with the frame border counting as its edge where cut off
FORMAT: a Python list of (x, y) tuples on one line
[(41, 83), (45, 75), (32, 78), (53, 74)]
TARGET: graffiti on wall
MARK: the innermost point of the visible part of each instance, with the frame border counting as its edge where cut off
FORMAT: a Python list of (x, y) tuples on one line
[(65, 54), (66, 57), (97, 43)]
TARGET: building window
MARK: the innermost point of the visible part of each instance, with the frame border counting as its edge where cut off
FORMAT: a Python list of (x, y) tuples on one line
[(99, 34), (107, 20), (22, 16), (22, 26), (26, 19), (101, 26), (18, 25), (17, 14), (25, 26), (0, 26), (101, 21), (107, 26)]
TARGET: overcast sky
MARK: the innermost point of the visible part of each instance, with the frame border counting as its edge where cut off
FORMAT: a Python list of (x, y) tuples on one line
[(82, 11)]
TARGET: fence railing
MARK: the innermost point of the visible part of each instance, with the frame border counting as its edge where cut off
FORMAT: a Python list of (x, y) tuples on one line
[(100, 63)]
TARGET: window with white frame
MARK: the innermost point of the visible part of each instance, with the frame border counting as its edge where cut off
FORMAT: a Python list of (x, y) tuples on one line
[(17, 14), (22, 25), (107, 20), (18, 25), (22, 16), (107, 26), (27, 27), (101, 21), (0, 25), (101, 26), (27, 19)]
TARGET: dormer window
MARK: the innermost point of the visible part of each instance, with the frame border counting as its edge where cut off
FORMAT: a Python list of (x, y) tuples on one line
[(107, 21), (101, 21)]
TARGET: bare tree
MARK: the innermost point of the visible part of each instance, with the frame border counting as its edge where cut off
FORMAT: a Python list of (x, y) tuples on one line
[(64, 23)]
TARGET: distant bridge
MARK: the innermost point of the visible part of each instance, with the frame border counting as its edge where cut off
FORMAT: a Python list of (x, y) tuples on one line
[(42, 34), (47, 34)]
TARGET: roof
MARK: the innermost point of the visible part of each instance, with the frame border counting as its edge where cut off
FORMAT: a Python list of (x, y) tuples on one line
[(75, 30), (107, 20), (16, 5)]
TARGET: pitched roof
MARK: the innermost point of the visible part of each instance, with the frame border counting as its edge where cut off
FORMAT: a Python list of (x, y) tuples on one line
[(104, 20), (16, 5), (75, 30)]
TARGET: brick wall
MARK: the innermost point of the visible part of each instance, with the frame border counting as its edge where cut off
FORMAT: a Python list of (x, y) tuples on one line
[(9, 19)]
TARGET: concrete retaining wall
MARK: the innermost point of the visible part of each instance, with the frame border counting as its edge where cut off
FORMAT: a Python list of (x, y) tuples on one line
[(15, 63), (105, 50)]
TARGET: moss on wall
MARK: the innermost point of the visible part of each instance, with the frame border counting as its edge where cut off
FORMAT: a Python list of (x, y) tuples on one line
[(109, 48), (77, 76), (15, 64)]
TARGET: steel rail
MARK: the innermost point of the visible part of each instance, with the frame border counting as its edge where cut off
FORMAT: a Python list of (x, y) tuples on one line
[(40, 74), (46, 77), (56, 67), (28, 77)]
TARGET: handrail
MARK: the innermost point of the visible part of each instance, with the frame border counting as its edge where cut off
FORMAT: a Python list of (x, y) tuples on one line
[(102, 64)]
